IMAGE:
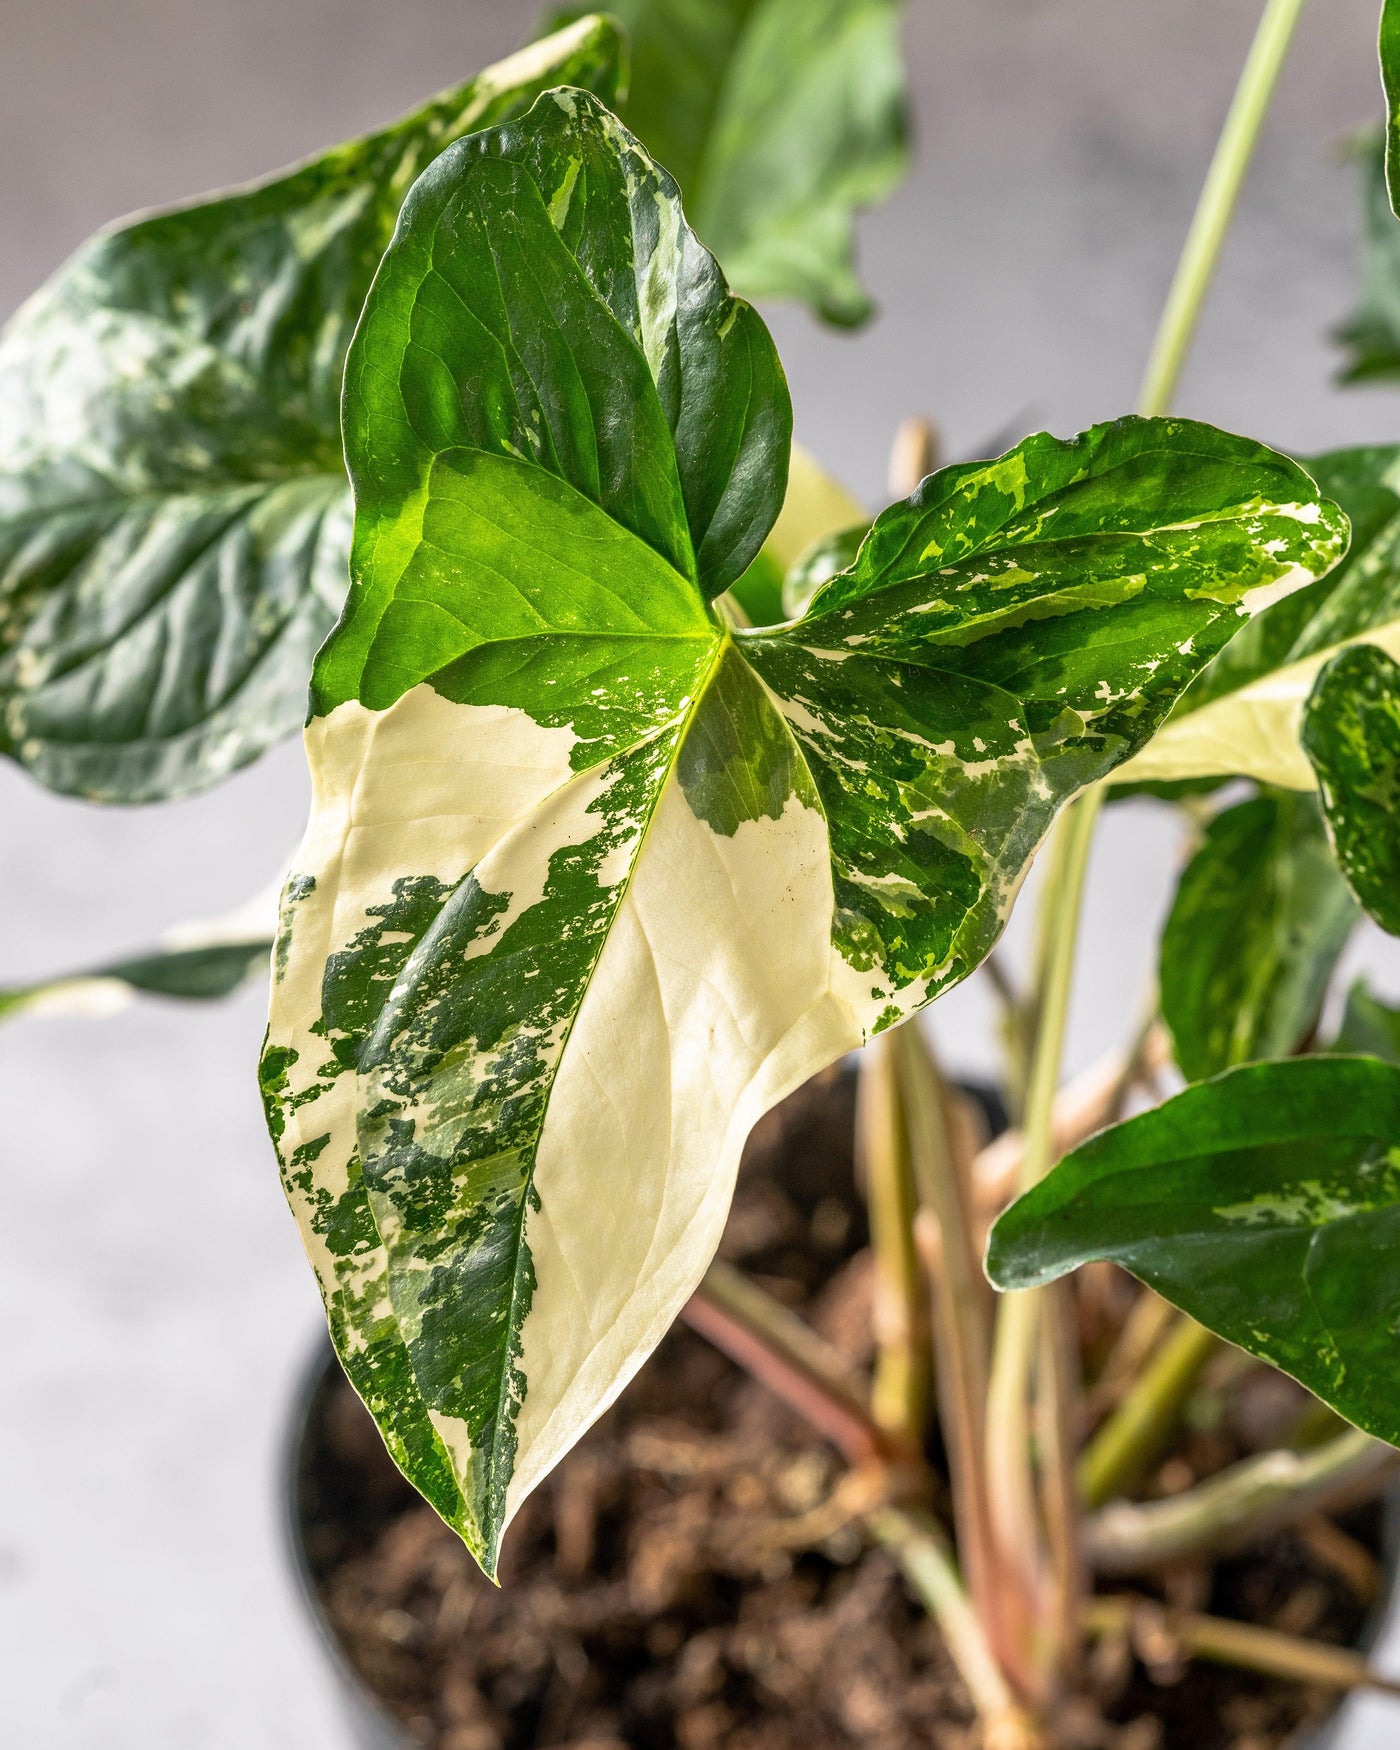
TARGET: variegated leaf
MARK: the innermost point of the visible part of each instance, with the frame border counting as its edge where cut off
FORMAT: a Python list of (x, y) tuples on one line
[(174, 513), (591, 878), (1244, 715), (1352, 736)]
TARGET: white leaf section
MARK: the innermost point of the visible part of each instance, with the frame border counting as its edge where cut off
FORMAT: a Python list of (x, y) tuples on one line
[(718, 992), (1252, 733), (425, 788)]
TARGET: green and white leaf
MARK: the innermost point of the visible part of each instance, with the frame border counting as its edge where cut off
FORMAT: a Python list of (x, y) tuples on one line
[(781, 120), (1244, 716), (1260, 916), (591, 879), (196, 962), (174, 512), (1265, 1203), (1351, 733)]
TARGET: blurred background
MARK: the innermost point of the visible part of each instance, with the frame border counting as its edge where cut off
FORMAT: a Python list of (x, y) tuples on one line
[(155, 1300)]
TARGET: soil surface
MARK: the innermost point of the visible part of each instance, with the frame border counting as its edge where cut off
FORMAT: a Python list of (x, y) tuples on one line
[(684, 1580)]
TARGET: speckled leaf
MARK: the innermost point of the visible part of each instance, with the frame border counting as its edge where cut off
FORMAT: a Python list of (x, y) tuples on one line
[(1351, 732), (1265, 1203), (781, 120), (592, 879), (174, 513), (1259, 918), (1244, 715)]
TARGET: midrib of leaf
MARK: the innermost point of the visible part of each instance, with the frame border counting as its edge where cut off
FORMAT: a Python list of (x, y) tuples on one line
[(723, 643)]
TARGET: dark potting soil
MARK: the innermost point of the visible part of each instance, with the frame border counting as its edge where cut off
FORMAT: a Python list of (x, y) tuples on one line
[(682, 1583)]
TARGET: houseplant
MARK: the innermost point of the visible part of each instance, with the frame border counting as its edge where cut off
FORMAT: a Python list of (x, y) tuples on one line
[(784, 780)]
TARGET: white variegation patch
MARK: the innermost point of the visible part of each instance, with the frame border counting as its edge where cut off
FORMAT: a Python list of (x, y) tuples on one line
[(424, 788), (1252, 733), (718, 992)]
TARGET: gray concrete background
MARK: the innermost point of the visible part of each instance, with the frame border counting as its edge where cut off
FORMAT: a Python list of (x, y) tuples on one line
[(151, 1288)]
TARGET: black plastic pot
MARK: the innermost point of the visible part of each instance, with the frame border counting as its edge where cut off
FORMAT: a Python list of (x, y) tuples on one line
[(372, 1727)]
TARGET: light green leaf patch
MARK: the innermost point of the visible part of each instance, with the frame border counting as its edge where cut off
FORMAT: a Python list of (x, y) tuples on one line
[(781, 120), (591, 879), (1260, 916), (175, 519), (1351, 733), (1265, 1203)]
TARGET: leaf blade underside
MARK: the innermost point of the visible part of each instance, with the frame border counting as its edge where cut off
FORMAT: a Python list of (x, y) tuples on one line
[(175, 519), (592, 879), (1265, 1203)]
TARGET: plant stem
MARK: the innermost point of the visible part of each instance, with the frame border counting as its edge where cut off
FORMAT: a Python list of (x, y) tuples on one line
[(1217, 204), (1247, 1502), (1011, 1487), (1135, 1433), (777, 1348), (918, 1544), (959, 1296), (1058, 1388), (1241, 1644), (899, 1396)]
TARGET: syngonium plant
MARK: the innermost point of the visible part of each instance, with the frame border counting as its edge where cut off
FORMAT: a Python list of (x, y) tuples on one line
[(650, 776)]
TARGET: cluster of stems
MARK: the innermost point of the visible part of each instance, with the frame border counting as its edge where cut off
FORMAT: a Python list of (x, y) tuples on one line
[(1039, 1513)]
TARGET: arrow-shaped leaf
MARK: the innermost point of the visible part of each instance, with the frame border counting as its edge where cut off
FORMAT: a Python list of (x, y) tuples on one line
[(1265, 1203), (591, 879), (1259, 919), (174, 513), (1351, 733)]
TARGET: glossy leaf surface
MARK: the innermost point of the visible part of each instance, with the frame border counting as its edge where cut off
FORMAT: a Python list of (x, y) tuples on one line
[(1351, 733), (592, 880), (174, 514), (1265, 1203), (1259, 919), (1390, 80), (1244, 716), (781, 120)]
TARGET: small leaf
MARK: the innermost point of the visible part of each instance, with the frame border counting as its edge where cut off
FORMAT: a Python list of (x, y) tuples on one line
[(1265, 1203), (1351, 733), (174, 513), (816, 508), (197, 962), (818, 564), (1259, 920), (1370, 1028), (592, 879), (1244, 715), (780, 120)]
